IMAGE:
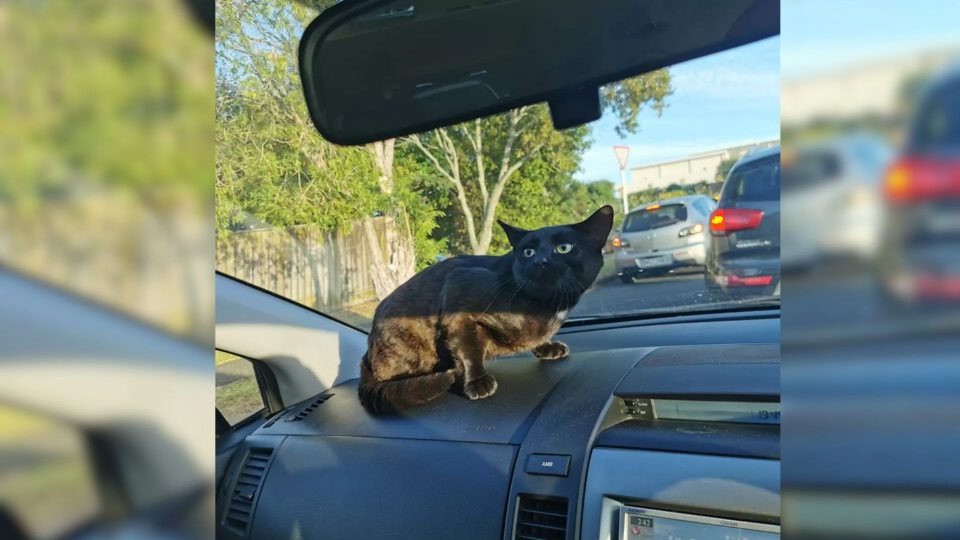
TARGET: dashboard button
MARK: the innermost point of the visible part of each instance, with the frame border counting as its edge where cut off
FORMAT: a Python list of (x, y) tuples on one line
[(548, 464)]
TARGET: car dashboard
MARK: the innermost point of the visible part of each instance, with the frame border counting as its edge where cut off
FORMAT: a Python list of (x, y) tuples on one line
[(615, 442)]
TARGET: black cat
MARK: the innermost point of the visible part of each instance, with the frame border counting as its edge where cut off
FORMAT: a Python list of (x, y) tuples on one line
[(438, 328)]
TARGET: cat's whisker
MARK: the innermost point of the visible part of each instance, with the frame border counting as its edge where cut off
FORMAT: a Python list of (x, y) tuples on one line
[(512, 296)]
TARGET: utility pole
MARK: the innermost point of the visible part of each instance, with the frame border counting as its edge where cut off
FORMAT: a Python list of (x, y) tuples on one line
[(623, 152)]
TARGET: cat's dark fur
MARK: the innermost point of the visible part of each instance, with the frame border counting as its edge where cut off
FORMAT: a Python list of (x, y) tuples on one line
[(435, 330)]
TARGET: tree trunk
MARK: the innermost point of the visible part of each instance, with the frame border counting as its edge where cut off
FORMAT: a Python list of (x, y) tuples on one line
[(390, 271), (506, 170)]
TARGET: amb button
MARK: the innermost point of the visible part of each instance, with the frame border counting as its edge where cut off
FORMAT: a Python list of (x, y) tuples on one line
[(548, 464)]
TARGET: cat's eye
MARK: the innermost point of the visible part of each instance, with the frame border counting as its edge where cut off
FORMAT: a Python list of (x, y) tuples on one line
[(564, 248), (528, 252)]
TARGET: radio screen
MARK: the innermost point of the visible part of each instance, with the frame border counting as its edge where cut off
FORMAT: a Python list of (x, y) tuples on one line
[(645, 524)]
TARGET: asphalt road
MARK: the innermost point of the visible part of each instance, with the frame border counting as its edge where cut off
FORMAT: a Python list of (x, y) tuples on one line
[(831, 304), (841, 304), (681, 288)]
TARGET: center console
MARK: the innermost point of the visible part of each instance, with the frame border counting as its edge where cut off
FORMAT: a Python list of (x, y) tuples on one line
[(646, 524), (689, 449)]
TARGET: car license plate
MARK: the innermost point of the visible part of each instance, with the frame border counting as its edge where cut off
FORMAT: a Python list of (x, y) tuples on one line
[(651, 262)]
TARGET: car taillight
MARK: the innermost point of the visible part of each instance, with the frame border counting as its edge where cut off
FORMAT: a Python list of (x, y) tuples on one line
[(915, 179), (749, 281), (727, 220)]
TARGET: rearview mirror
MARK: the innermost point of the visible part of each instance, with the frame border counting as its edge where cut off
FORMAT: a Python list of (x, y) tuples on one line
[(375, 69)]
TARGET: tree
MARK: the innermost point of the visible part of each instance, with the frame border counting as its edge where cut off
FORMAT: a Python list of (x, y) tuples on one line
[(479, 159), (120, 123), (723, 168), (273, 163)]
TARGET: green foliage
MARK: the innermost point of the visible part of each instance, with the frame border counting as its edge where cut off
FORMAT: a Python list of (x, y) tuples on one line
[(272, 165), (103, 95), (541, 191), (910, 90), (723, 169), (418, 195), (628, 97), (825, 128), (653, 195)]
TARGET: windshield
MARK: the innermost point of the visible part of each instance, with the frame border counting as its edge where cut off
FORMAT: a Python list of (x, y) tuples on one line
[(339, 228), (755, 181), (654, 217), (938, 123)]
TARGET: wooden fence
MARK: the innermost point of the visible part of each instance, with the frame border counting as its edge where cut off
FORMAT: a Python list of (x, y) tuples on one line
[(152, 262), (326, 270)]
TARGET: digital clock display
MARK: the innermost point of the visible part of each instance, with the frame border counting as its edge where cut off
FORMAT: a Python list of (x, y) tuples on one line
[(647, 524), (707, 411)]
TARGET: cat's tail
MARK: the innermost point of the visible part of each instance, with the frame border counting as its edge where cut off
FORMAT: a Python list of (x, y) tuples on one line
[(398, 394)]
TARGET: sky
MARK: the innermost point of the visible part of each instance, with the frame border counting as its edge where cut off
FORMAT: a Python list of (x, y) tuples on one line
[(825, 35), (724, 99)]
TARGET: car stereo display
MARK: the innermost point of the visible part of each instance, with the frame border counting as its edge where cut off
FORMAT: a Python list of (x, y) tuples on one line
[(645, 524)]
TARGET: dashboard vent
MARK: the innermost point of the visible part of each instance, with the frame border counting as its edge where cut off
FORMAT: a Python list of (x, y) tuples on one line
[(305, 412), (240, 507), (541, 518)]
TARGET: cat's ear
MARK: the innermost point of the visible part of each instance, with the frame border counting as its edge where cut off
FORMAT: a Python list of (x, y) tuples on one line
[(597, 226), (514, 234)]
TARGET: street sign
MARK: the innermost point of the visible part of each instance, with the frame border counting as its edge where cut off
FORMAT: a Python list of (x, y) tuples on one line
[(623, 152)]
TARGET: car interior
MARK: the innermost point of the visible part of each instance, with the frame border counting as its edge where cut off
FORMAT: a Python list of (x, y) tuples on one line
[(665, 422), (564, 450)]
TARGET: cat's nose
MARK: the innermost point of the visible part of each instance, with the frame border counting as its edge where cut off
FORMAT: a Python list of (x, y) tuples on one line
[(540, 261)]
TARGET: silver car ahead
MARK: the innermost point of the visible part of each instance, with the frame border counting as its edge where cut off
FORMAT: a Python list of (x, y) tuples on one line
[(658, 237)]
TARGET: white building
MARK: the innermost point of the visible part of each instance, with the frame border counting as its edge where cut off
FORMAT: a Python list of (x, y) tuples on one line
[(869, 88), (692, 169)]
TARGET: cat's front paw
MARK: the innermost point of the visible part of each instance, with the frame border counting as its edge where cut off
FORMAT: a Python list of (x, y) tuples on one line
[(481, 387), (553, 350)]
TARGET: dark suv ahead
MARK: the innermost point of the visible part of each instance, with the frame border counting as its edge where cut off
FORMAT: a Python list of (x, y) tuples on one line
[(743, 256), (921, 249)]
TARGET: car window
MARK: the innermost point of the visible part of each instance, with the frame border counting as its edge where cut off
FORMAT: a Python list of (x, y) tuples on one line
[(811, 169), (754, 181), (338, 228), (873, 157), (704, 206), (654, 217), (938, 123), (47, 485), (238, 395)]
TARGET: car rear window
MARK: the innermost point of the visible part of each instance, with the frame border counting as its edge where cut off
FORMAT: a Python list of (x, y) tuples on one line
[(938, 124), (811, 169), (754, 181), (703, 206), (654, 217)]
